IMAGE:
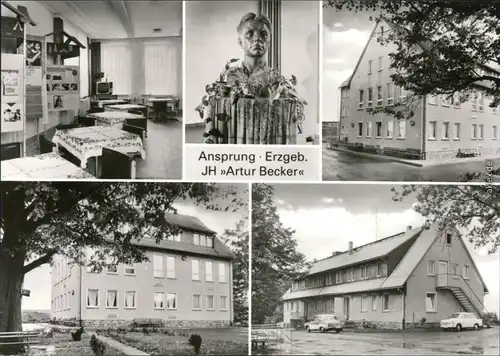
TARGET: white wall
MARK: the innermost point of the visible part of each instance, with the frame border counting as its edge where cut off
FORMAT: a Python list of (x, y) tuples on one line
[(211, 40), (300, 56)]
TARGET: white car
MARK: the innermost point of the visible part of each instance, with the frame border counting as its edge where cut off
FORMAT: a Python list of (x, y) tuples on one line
[(324, 323), (462, 320)]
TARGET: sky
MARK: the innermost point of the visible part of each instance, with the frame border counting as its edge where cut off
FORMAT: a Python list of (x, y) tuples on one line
[(345, 34), (326, 217), (38, 281)]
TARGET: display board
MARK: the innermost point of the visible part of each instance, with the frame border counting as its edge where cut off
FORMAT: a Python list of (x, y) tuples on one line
[(35, 48), (12, 92), (63, 87)]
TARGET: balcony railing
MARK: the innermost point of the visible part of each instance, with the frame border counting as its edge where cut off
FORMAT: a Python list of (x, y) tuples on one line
[(447, 280)]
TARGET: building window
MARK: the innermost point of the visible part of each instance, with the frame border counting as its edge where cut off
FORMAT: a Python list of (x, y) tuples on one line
[(495, 132), (111, 268), (481, 102), (445, 100), (223, 302), (402, 93), (390, 93), (474, 131), (430, 302), (351, 273), (369, 127), (176, 238), (380, 95), (431, 268), (370, 66), (210, 302), (432, 130), (363, 272), (432, 99), (385, 302), (360, 129), (222, 272), (93, 298), (446, 131), (370, 97), (454, 270), (481, 132), (159, 266), (456, 101), (390, 129), (195, 270), (129, 270), (448, 238), (474, 101), (364, 303), (112, 299), (130, 300), (196, 301), (379, 269), (374, 302), (465, 272), (196, 239), (380, 63), (159, 300), (402, 128), (209, 277), (171, 301), (170, 267), (361, 98), (456, 131)]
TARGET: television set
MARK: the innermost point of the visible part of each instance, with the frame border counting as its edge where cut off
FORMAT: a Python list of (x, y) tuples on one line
[(105, 88)]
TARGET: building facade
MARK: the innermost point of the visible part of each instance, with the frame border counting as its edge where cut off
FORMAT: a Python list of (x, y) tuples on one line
[(440, 127), (187, 282), (330, 130), (417, 277)]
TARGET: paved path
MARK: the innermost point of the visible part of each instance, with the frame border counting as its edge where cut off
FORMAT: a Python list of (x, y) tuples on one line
[(339, 165), (127, 350), (484, 342)]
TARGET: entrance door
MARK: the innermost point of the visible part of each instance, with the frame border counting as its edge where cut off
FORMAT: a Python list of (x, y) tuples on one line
[(442, 274), (346, 308)]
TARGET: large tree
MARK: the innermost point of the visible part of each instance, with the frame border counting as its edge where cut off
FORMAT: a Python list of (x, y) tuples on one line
[(275, 259), (237, 240), (473, 209), (450, 47), (41, 219)]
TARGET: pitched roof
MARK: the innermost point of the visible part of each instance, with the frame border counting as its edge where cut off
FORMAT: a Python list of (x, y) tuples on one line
[(363, 253), (188, 223)]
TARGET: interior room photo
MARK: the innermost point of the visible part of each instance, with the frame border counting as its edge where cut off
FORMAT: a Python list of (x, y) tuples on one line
[(235, 96), (91, 89)]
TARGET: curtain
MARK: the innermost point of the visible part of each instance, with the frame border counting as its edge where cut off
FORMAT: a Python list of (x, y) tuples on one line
[(83, 61), (130, 300), (162, 68), (93, 298), (170, 267), (159, 300), (171, 301), (112, 302), (116, 65)]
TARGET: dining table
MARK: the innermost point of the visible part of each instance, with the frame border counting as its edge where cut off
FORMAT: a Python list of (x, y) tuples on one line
[(87, 142), (103, 103), (44, 166), (113, 118), (124, 107)]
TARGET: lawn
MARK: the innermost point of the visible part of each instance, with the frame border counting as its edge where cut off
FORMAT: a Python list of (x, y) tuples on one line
[(65, 346), (214, 342)]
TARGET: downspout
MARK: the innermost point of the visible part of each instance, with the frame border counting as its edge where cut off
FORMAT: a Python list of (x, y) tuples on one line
[(424, 124), (403, 306), (80, 295), (231, 306)]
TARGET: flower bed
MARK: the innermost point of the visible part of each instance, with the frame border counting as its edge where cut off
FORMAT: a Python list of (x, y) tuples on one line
[(67, 347)]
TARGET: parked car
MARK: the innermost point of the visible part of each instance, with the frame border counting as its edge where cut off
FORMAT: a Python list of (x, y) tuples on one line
[(462, 320), (324, 323)]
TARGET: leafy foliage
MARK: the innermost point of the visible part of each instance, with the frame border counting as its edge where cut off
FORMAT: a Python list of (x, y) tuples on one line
[(275, 259), (473, 208), (448, 48), (237, 240)]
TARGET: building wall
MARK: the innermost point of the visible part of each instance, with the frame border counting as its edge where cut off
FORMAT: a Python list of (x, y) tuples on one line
[(65, 289), (466, 116), (351, 114), (145, 285), (419, 283)]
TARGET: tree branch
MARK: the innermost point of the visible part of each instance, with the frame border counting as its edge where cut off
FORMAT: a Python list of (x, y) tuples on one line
[(40, 261)]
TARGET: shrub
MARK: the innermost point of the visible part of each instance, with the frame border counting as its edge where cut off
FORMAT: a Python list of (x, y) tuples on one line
[(97, 346), (422, 321), (76, 335), (195, 341)]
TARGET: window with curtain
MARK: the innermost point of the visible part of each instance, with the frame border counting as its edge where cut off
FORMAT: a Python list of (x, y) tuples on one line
[(161, 63), (112, 299), (116, 64), (129, 299), (93, 298)]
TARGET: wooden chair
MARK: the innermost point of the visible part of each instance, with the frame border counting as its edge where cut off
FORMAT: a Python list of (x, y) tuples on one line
[(135, 130), (117, 165), (10, 151), (46, 145), (86, 121), (142, 123)]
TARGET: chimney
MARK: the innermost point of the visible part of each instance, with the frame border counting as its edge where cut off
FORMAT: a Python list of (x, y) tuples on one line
[(350, 247), (408, 228), (335, 253)]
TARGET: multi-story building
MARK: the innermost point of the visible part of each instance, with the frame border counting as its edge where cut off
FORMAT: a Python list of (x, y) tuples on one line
[(440, 127), (186, 282), (419, 276), (330, 130)]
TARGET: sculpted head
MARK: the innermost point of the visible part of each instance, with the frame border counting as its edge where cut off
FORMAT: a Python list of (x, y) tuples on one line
[(254, 34)]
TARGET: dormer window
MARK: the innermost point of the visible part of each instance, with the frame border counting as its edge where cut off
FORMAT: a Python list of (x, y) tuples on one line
[(448, 238)]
